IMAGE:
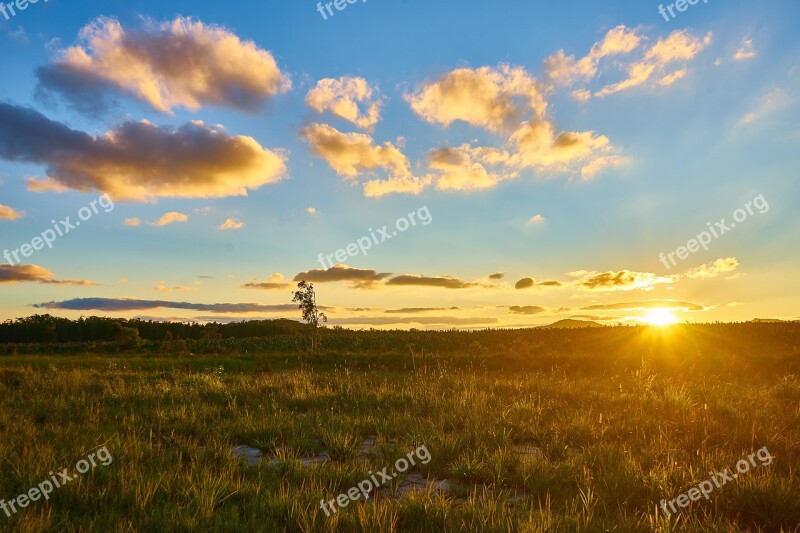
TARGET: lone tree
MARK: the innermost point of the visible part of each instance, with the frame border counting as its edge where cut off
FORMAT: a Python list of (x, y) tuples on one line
[(307, 302)]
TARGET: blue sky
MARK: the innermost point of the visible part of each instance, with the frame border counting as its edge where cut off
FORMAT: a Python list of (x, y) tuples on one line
[(713, 127)]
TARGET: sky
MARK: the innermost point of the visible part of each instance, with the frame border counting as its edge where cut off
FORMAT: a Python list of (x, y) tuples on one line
[(438, 164)]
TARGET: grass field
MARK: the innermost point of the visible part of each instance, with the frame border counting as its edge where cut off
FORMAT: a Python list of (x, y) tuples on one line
[(587, 439)]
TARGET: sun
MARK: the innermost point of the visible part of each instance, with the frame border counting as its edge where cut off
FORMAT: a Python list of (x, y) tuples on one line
[(659, 317)]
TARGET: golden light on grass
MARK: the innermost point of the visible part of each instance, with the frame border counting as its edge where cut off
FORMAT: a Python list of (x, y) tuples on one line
[(659, 317)]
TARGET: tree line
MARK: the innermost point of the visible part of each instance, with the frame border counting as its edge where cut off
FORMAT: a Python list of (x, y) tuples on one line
[(47, 329)]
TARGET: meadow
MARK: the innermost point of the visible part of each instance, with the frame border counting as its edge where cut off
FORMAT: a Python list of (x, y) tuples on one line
[(528, 430)]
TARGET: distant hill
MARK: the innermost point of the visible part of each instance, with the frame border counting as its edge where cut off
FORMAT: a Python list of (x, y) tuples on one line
[(571, 323)]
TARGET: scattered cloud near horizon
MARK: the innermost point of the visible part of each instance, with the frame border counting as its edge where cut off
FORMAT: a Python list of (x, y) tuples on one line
[(132, 304), (35, 274)]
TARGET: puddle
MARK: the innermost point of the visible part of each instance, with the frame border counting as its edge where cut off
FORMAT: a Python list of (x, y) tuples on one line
[(528, 450), (419, 484), (322, 457), (365, 449), (253, 455)]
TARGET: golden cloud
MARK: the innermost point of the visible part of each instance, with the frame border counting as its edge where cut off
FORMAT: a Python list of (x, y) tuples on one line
[(713, 269), (138, 160), (35, 274), (446, 282), (360, 278), (9, 213), (170, 218), (494, 99), (675, 305), (678, 46), (526, 309), (44, 185), (342, 98), (538, 146), (350, 154), (230, 224), (274, 282), (565, 70), (464, 168), (162, 287), (525, 283), (181, 63), (745, 50), (622, 280)]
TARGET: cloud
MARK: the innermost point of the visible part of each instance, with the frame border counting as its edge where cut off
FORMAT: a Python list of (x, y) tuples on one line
[(139, 160), (745, 50), (131, 304), (180, 63), (537, 145), (622, 280), (353, 154), (446, 282), (566, 70), (360, 278), (427, 321), (170, 218), (535, 219), (509, 102), (527, 309), (162, 287), (410, 310), (645, 305), (9, 213), (680, 46), (767, 104), (464, 168), (671, 78), (598, 164), (133, 222), (274, 283), (525, 283), (34, 274), (581, 95), (493, 99), (713, 269), (44, 185), (350, 154), (396, 185), (497, 275), (311, 210), (230, 224), (342, 98), (19, 34)]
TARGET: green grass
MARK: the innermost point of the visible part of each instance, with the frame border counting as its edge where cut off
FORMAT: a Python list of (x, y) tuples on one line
[(618, 435)]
